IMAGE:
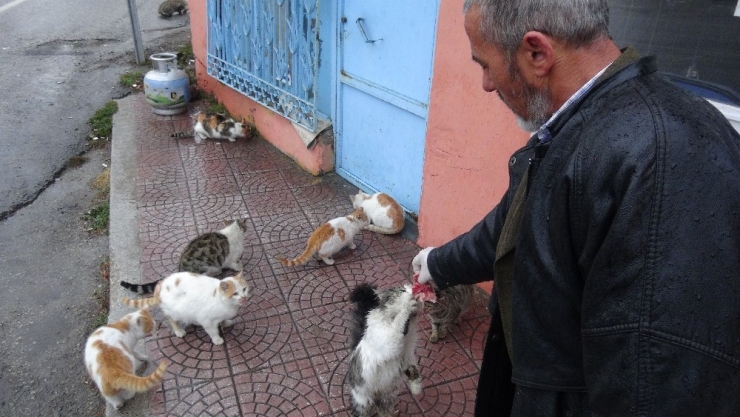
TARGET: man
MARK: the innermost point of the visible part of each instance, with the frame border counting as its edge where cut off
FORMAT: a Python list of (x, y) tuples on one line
[(615, 251)]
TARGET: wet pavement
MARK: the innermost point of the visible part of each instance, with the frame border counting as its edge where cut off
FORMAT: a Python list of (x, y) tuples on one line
[(286, 354)]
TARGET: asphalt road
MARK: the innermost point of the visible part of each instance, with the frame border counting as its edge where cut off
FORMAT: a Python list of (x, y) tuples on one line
[(59, 62)]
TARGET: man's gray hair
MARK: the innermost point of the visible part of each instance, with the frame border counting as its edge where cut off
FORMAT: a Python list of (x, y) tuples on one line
[(575, 22)]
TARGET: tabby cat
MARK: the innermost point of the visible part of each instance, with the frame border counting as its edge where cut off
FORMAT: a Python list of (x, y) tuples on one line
[(207, 254), (169, 7), (215, 126), (384, 213), (451, 304), (111, 360), (329, 238), (197, 299)]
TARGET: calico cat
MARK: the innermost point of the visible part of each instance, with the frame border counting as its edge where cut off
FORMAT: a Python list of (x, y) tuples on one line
[(111, 360), (169, 7), (385, 214), (197, 299), (383, 331), (450, 305), (207, 254), (215, 126), (329, 238)]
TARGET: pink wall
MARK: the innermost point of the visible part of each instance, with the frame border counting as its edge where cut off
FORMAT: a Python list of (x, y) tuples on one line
[(272, 126), (470, 136)]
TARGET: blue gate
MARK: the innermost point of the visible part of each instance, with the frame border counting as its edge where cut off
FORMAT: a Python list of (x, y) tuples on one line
[(268, 51)]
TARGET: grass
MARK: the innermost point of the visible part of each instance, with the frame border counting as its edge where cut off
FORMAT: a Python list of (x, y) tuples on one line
[(98, 217), (132, 79), (101, 184), (102, 121)]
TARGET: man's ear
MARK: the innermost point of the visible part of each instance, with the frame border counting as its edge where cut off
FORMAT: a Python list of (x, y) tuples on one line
[(536, 54)]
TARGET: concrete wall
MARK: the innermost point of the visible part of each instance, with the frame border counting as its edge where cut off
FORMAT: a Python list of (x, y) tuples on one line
[(470, 136), (272, 126)]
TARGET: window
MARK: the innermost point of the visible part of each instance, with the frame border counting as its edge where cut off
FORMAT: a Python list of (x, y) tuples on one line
[(268, 51)]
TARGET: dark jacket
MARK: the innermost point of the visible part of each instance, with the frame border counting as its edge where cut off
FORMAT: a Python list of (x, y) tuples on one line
[(627, 269)]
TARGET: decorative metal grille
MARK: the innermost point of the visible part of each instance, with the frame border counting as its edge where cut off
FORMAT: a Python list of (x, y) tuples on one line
[(268, 51)]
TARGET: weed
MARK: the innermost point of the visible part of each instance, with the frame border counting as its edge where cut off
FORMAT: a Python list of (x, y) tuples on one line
[(98, 217), (101, 184), (102, 294), (76, 161), (102, 121), (132, 79)]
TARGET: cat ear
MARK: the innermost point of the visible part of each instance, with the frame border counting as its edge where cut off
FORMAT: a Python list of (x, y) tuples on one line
[(239, 275), (223, 285)]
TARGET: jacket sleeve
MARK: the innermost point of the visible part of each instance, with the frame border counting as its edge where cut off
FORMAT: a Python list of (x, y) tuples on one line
[(468, 259)]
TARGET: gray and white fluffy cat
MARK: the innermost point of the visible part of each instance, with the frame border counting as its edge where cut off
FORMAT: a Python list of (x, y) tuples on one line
[(451, 304), (208, 254), (383, 334)]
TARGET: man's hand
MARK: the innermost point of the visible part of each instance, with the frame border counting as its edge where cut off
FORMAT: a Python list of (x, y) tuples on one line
[(419, 264)]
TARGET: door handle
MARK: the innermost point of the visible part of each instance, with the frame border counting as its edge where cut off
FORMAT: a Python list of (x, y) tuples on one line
[(362, 30)]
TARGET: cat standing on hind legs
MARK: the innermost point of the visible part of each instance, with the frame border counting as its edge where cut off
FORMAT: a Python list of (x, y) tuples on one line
[(329, 238), (111, 359), (383, 333)]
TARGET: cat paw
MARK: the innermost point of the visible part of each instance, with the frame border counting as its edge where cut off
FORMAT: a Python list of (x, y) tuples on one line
[(352, 246), (180, 333), (232, 140), (433, 338), (218, 340), (328, 261), (227, 323)]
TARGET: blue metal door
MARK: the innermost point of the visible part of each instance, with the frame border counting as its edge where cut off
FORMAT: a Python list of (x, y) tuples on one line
[(385, 68)]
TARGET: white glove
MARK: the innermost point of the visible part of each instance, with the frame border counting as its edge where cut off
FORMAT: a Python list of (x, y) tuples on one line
[(419, 264)]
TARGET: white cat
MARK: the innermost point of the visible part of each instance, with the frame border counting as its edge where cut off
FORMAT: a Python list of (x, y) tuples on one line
[(384, 213), (197, 299), (384, 336), (111, 360), (329, 238)]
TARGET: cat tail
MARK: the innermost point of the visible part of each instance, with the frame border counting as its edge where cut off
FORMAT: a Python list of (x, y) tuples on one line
[(141, 302), (311, 249), (382, 230), (187, 134), (135, 383), (140, 288)]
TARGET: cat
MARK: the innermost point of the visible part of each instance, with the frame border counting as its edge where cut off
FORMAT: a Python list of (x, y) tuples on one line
[(329, 238), (383, 336), (215, 126), (197, 299), (385, 214), (451, 303), (169, 7), (111, 360), (207, 254)]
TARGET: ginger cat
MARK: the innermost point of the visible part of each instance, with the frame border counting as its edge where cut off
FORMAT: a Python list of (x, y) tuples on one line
[(111, 360), (329, 238), (385, 214), (197, 299)]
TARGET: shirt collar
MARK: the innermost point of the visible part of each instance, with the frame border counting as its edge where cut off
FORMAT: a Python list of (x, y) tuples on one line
[(543, 133)]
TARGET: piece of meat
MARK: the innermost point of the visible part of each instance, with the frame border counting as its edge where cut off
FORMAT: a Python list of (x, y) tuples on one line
[(423, 292)]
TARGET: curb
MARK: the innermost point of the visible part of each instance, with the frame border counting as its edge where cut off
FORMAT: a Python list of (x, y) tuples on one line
[(124, 245)]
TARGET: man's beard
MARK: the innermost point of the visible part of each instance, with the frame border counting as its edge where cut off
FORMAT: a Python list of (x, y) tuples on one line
[(537, 101)]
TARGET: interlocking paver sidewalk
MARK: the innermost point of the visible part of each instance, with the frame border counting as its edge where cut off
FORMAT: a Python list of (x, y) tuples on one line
[(286, 354)]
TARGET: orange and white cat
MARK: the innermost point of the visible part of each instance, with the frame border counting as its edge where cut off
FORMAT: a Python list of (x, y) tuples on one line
[(197, 299), (329, 238), (111, 360), (384, 213)]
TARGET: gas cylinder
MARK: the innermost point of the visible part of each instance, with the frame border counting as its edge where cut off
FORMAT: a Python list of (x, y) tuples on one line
[(166, 87)]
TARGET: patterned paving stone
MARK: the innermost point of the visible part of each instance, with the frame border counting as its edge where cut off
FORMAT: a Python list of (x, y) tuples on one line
[(260, 182), (158, 193), (381, 271), (251, 164), (289, 389), (272, 202), (257, 341)]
